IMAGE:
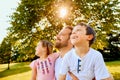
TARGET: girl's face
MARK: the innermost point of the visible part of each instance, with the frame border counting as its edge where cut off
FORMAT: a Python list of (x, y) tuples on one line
[(40, 50)]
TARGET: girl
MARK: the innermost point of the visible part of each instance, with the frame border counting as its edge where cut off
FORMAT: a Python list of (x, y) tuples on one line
[(43, 67)]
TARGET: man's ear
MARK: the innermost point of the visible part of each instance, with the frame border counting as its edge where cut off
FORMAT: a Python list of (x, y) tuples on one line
[(90, 37)]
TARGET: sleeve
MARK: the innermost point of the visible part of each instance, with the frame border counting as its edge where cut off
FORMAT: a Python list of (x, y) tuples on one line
[(64, 65), (33, 64), (56, 55), (100, 69)]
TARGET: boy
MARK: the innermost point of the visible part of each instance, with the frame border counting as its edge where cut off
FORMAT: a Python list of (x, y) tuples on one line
[(83, 61)]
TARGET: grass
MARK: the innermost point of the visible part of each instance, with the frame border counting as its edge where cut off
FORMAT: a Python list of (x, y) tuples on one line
[(114, 69), (22, 71), (18, 71)]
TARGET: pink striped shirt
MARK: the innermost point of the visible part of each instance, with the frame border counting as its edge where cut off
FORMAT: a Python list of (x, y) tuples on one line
[(45, 68)]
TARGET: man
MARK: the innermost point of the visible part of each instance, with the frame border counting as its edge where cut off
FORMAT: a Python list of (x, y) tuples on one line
[(63, 44), (83, 61)]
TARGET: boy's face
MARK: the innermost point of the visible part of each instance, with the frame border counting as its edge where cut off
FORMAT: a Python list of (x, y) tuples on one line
[(78, 35)]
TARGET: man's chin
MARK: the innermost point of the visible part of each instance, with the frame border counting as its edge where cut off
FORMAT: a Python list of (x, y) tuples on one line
[(57, 46)]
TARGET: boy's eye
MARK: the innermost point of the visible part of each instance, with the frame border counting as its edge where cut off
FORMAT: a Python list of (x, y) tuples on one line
[(78, 30)]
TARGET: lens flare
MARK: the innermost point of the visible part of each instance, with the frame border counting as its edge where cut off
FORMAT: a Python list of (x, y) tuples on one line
[(63, 12)]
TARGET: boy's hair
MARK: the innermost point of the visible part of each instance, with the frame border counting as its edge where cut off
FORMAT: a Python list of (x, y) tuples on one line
[(49, 46), (89, 31)]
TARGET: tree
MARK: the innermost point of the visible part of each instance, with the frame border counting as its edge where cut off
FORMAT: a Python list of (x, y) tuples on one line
[(38, 19), (114, 46), (5, 51)]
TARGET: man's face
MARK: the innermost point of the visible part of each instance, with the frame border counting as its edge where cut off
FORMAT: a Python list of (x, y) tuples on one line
[(62, 38)]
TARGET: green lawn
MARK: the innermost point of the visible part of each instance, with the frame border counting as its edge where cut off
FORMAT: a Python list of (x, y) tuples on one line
[(18, 71), (114, 68), (21, 71)]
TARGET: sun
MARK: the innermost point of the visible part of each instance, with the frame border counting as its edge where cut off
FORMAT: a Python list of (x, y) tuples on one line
[(63, 12)]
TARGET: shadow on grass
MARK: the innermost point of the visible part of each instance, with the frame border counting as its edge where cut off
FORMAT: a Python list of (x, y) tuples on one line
[(113, 63), (116, 76), (15, 69)]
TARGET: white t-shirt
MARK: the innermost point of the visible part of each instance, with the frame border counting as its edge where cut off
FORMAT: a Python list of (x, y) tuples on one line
[(58, 64), (86, 68)]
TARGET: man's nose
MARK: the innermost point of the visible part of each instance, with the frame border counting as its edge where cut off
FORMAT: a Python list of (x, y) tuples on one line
[(73, 32)]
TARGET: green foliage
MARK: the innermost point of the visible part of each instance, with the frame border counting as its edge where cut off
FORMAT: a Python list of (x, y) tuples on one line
[(114, 46), (34, 20), (5, 50), (112, 51)]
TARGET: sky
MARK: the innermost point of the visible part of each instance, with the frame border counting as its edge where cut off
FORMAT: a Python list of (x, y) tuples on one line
[(6, 9)]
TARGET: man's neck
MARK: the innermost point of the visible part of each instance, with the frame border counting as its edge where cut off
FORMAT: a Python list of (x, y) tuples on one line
[(64, 50)]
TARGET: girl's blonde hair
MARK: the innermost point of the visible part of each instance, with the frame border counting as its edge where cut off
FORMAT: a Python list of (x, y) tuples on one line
[(49, 46)]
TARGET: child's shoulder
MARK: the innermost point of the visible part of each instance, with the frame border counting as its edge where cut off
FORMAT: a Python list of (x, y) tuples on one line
[(57, 54), (34, 63), (54, 55), (95, 53)]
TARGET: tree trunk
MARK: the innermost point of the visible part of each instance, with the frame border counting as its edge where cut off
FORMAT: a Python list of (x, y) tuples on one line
[(8, 63)]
